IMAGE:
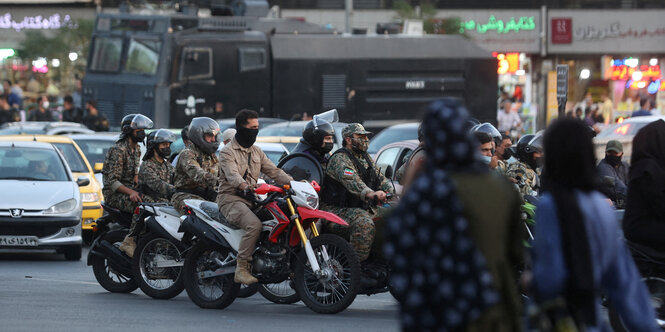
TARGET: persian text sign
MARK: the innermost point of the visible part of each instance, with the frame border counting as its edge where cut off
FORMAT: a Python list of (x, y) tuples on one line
[(607, 31), (38, 22)]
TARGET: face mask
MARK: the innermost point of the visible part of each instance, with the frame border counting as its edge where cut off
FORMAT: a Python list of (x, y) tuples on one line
[(164, 152), (327, 147), (45, 105), (360, 145), (506, 154), (139, 136), (486, 160), (246, 137), (613, 160)]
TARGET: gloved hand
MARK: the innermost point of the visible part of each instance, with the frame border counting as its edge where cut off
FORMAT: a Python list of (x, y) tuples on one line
[(247, 194)]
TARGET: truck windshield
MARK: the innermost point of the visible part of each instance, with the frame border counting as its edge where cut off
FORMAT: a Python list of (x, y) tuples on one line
[(143, 56), (106, 54)]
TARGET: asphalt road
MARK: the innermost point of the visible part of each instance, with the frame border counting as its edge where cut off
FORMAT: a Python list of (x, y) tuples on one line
[(43, 292)]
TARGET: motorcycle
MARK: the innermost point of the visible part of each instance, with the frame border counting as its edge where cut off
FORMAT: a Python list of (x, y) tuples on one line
[(112, 268), (324, 268)]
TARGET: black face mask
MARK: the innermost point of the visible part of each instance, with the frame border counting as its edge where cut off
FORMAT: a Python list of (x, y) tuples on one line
[(139, 137), (327, 147), (506, 154), (246, 137), (164, 152), (613, 160)]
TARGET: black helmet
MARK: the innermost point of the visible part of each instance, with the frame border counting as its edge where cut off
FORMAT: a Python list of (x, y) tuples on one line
[(315, 130), (535, 144), (520, 148), (155, 138), (488, 128), (134, 121), (201, 126)]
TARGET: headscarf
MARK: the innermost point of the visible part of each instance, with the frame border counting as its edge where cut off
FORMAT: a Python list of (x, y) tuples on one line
[(649, 152), (570, 166), (440, 276)]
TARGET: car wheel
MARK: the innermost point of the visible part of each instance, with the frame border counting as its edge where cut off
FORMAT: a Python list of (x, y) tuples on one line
[(73, 253)]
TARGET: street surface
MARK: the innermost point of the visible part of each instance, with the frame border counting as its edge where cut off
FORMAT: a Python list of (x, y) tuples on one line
[(40, 291)]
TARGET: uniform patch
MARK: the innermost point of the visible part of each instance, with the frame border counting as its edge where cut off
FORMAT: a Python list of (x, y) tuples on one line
[(348, 172)]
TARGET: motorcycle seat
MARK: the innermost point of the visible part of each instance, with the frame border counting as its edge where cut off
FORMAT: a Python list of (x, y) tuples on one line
[(647, 252), (212, 210)]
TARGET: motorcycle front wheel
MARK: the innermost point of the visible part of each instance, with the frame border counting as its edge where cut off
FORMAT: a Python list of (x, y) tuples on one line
[(157, 266), (216, 292), (336, 288), (107, 276), (656, 287)]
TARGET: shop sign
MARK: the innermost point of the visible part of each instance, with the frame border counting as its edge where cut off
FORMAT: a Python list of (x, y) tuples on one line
[(524, 23), (606, 31), (508, 63), (38, 22)]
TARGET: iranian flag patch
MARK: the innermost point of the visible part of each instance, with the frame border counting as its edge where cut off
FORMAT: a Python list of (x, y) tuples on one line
[(348, 172)]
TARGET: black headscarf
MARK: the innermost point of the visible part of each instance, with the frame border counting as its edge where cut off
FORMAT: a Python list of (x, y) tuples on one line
[(649, 152), (569, 167), (440, 275)]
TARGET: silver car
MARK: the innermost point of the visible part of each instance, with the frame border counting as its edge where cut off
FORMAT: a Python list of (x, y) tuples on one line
[(40, 204)]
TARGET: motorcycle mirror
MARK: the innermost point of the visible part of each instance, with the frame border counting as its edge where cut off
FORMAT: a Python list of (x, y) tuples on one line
[(330, 116), (389, 172)]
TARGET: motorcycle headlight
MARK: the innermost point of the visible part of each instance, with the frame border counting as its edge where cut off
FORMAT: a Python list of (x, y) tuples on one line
[(312, 201), (89, 197), (62, 207)]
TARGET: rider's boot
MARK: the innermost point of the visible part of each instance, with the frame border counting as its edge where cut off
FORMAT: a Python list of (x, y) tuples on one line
[(367, 280), (244, 273), (128, 246)]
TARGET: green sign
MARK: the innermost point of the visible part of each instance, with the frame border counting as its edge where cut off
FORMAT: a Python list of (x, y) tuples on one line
[(524, 23)]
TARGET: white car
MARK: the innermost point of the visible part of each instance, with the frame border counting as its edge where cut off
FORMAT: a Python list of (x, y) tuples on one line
[(623, 132), (40, 204)]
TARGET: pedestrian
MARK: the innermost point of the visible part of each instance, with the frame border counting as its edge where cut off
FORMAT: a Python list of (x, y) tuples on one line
[(507, 119), (644, 221), (76, 95), (455, 237), (7, 113), (13, 97), (576, 253), (645, 108), (42, 113), (93, 119), (613, 174), (607, 108), (71, 113)]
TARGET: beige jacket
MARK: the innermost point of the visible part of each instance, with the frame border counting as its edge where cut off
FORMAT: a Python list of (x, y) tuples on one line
[(234, 163)]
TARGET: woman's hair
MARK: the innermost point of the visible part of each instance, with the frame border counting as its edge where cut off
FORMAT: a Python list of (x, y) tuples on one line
[(569, 156)]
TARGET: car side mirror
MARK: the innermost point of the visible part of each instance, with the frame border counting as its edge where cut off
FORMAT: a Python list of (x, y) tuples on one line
[(389, 171), (82, 181), (98, 167)]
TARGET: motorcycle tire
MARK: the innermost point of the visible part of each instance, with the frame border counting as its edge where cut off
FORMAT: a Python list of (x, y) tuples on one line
[(108, 278), (656, 287), (247, 291), (328, 296), (279, 293), (170, 283), (197, 259)]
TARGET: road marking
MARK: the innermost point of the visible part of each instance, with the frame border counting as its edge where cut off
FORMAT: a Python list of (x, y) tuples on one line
[(66, 281)]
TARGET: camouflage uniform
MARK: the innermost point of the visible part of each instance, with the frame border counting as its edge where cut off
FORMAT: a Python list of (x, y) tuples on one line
[(195, 171), (120, 168), (501, 167), (527, 179), (361, 228), (155, 180)]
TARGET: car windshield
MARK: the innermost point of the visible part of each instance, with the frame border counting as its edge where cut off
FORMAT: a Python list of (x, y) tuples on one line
[(281, 131), (94, 149), (275, 156), (391, 136), (31, 164), (73, 157), (622, 130), (17, 130)]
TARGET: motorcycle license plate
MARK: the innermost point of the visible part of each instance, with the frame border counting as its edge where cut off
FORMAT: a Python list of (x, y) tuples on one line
[(15, 241)]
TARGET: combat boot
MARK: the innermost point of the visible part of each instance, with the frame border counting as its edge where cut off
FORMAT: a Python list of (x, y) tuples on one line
[(128, 246), (244, 273)]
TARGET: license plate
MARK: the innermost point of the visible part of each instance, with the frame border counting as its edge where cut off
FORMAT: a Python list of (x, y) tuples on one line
[(19, 241)]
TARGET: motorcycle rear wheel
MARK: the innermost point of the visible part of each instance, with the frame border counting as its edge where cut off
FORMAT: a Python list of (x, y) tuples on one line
[(656, 287), (280, 293), (158, 283), (208, 293), (112, 280), (338, 292)]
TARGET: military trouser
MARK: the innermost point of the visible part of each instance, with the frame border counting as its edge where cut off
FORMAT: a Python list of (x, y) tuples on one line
[(122, 202), (360, 232), (239, 214), (178, 200)]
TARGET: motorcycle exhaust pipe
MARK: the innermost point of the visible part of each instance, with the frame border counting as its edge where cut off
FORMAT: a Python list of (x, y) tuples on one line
[(118, 259)]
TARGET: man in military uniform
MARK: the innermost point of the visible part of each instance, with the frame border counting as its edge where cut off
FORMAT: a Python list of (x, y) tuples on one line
[(120, 171), (156, 173), (242, 162), (502, 153), (524, 172), (197, 171), (352, 184)]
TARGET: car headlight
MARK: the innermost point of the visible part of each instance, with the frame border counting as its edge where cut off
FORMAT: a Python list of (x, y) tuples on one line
[(62, 207), (89, 197)]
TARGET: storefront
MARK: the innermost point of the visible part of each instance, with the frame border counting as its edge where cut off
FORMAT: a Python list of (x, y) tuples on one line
[(617, 53)]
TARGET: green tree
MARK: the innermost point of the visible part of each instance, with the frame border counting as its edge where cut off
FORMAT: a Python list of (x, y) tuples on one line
[(431, 25)]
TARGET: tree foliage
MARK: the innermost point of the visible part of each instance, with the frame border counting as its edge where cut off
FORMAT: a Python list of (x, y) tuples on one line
[(58, 46), (431, 25)]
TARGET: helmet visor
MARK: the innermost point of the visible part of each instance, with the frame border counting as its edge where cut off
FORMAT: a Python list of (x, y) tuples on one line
[(141, 121), (163, 136), (330, 116), (536, 143)]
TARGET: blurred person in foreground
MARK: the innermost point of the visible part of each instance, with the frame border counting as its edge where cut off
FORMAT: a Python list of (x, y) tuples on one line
[(578, 252), (452, 242), (644, 221), (613, 174)]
